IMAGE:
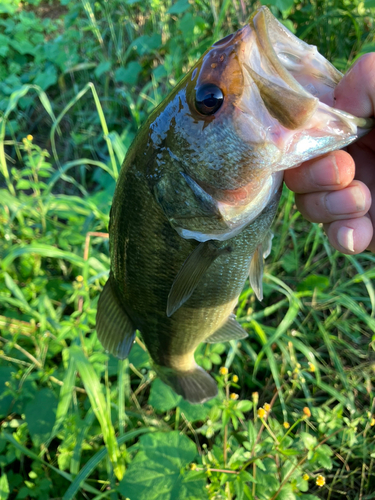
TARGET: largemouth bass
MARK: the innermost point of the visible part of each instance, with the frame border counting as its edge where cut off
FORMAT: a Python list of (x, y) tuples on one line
[(199, 189)]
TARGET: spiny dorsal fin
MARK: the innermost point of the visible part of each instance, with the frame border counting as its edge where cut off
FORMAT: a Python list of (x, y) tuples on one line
[(256, 272), (113, 326), (190, 274), (231, 330)]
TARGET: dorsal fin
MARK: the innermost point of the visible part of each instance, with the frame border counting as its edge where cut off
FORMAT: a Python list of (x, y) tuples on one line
[(114, 328)]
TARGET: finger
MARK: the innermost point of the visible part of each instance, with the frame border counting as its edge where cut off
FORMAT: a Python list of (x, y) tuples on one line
[(327, 173), (351, 236), (356, 91), (351, 202)]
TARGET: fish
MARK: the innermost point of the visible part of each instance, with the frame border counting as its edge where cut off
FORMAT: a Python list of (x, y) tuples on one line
[(198, 191)]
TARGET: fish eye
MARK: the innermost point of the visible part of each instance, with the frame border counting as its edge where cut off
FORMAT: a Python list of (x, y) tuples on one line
[(208, 99)]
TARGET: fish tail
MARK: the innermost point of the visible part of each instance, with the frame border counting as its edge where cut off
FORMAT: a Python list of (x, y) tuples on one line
[(196, 385)]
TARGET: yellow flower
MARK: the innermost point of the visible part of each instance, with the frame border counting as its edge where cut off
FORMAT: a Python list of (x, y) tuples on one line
[(286, 425), (372, 422), (233, 396), (311, 367), (193, 466), (29, 137), (307, 412), (235, 379), (79, 278), (255, 396), (261, 412), (305, 477), (320, 480), (267, 406), (223, 370)]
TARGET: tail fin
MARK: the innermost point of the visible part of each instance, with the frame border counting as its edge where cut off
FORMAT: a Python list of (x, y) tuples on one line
[(196, 385)]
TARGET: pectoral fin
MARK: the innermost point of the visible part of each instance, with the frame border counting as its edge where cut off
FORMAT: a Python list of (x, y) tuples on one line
[(190, 274), (231, 330), (256, 272), (114, 328), (267, 244)]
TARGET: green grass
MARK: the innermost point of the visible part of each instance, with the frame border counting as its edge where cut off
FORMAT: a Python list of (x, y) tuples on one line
[(77, 423)]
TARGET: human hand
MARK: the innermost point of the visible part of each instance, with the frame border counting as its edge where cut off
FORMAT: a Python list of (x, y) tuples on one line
[(336, 189)]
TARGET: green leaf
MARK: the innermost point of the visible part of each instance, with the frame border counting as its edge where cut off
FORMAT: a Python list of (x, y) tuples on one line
[(193, 413), (16, 291), (369, 4), (323, 459), (129, 74), (308, 440), (155, 472), (40, 416), (313, 281), (4, 487), (283, 5), (46, 78), (244, 405), (179, 7), (286, 493), (101, 68), (147, 44), (162, 397)]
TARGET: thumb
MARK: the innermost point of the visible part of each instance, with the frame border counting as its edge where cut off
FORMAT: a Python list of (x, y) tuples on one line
[(355, 93)]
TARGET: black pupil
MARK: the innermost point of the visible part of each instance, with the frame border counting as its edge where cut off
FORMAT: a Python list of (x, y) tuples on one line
[(208, 99)]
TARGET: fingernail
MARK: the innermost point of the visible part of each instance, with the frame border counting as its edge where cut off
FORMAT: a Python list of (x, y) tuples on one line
[(345, 237), (325, 172), (346, 201)]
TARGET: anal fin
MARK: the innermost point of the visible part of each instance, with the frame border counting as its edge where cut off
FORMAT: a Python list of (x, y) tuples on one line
[(190, 274), (114, 328), (231, 330)]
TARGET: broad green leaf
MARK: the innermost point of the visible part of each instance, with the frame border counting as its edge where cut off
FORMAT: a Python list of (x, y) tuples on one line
[(313, 281), (129, 74), (155, 472), (194, 413), (308, 440), (179, 7), (286, 493), (162, 397), (40, 416), (4, 487), (101, 68)]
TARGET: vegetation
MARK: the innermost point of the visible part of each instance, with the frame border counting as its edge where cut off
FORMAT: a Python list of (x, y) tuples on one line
[(294, 418)]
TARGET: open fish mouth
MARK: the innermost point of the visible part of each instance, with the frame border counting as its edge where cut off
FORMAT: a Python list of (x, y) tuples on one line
[(296, 85)]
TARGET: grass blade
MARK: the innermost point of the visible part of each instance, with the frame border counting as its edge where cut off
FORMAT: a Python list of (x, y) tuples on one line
[(99, 406)]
